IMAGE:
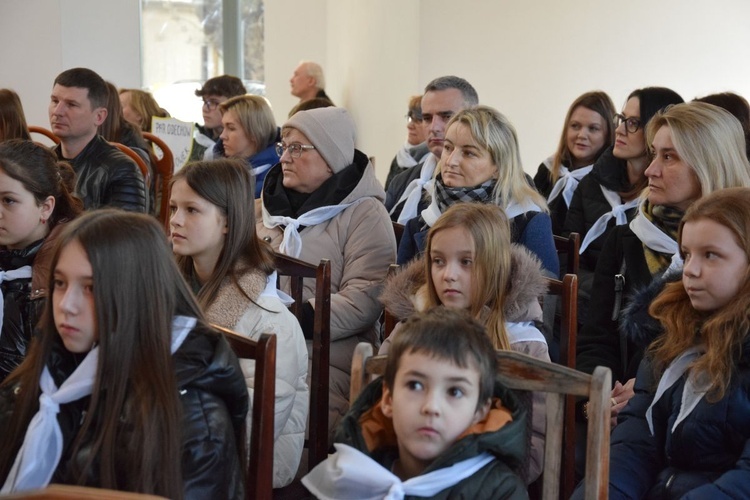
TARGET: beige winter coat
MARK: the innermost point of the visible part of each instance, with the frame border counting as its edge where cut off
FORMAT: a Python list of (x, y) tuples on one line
[(361, 245), (268, 314), (405, 292)]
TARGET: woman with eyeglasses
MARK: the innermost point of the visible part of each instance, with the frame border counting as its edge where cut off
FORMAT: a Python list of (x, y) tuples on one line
[(250, 134), (322, 201), (415, 147), (608, 195)]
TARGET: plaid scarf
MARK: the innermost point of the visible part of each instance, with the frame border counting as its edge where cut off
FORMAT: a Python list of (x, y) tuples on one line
[(446, 196), (668, 220)]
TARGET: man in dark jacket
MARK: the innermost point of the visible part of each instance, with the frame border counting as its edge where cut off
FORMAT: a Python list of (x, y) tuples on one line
[(104, 175), (443, 97)]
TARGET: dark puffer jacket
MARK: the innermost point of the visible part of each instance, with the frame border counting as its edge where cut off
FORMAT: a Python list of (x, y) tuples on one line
[(19, 315), (507, 443), (707, 456), (105, 177), (214, 404)]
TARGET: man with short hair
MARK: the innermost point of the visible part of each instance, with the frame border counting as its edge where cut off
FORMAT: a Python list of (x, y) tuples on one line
[(308, 82), (443, 97), (104, 175), (216, 90)]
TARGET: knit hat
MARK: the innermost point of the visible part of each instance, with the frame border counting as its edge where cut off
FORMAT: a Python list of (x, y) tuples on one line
[(331, 131)]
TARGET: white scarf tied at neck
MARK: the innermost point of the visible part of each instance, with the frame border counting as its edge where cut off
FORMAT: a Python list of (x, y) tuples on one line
[(353, 475), (656, 239), (39, 455), (14, 274), (618, 212), (413, 192), (695, 388), (567, 182), (291, 244)]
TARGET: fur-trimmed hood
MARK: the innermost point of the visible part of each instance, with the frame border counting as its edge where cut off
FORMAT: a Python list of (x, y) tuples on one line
[(406, 291), (635, 322)]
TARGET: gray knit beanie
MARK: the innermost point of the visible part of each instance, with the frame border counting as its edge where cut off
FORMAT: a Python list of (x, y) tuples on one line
[(331, 131)]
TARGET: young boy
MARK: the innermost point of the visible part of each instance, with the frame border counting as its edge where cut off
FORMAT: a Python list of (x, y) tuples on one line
[(436, 425)]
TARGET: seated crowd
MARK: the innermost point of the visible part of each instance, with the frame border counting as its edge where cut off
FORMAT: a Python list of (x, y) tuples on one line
[(112, 376)]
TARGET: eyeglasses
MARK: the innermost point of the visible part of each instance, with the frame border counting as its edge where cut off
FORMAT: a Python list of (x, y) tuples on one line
[(632, 124), (411, 117), (295, 150), (210, 104)]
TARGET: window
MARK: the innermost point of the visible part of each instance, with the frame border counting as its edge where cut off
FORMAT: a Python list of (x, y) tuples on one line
[(184, 42)]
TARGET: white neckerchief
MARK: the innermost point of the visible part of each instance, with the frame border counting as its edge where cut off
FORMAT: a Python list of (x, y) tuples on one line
[(413, 192), (618, 212), (40, 452), (651, 236), (291, 244), (351, 474), (514, 209), (695, 388), (523, 331), (567, 182), (272, 291), (262, 168), (404, 159), (14, 274)]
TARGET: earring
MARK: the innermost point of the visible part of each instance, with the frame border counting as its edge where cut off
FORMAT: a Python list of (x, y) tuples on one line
[(42, 220)]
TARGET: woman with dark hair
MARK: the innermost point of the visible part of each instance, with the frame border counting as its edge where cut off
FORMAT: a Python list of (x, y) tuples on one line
[(36, 202), (617, 178), (124, 386), (587, 132), (231, 271), (12, 119), (735, 104)]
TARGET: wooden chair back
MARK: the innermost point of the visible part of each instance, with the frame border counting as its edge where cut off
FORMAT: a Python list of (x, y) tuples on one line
[(523, 373), (296, 271), (34, 129), (164, 170), (68, 492), (259, 473), (569, 248), (398, 231)]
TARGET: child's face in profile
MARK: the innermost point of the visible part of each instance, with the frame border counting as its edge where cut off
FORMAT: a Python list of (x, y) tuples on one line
[(715, 265), (451, 265), (432, 403), (73, 299)]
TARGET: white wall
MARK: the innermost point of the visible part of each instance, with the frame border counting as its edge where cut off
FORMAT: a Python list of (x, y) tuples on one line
[(41, 38), (532, 58), (528, 58)]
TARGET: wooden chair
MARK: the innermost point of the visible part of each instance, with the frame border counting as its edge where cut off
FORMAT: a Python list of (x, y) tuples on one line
[(567, 291), (259, 478), (68, 492), (398, 231), (45, 132), (523, 373), (296, 271), (164, 171), (569, 248)]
